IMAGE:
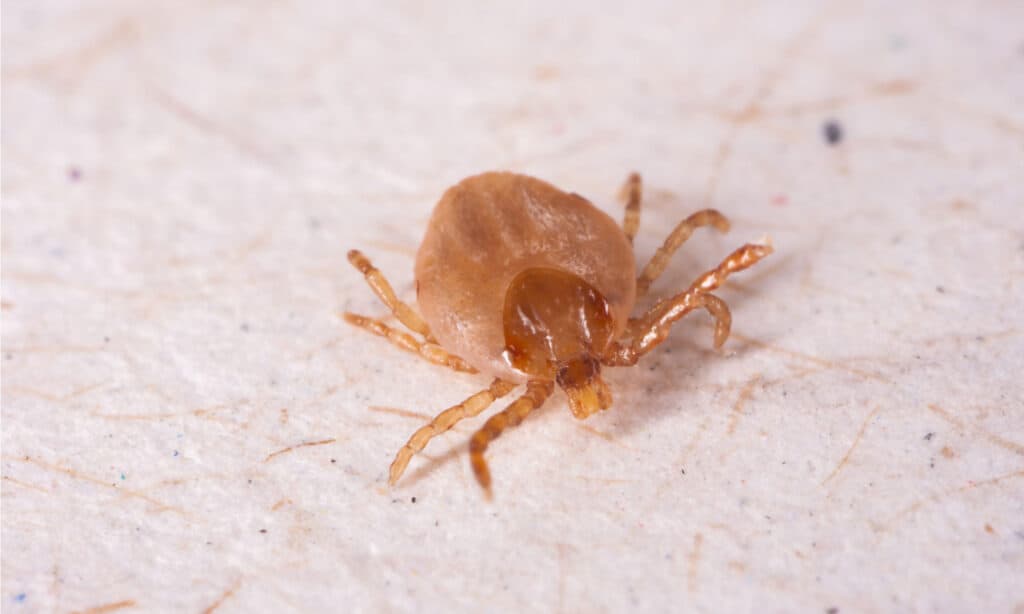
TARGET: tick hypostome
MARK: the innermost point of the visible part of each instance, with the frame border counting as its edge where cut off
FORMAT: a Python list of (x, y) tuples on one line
[(532, 285)]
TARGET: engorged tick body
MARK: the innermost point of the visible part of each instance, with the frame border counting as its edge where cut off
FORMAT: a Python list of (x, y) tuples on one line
[(527, 283)]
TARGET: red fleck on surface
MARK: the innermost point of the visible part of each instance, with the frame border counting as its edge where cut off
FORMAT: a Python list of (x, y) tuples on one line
[(780, 200)]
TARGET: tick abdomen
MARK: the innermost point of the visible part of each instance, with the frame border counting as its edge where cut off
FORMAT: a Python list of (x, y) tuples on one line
[(489, 228)]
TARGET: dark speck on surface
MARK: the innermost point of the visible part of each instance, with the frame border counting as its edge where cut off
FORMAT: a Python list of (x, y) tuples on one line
[(74, 173), (684, 471), (263, 530), (940, 289), (414, 499), (832, 611), (244, 327), (929, 436), (832, 131)]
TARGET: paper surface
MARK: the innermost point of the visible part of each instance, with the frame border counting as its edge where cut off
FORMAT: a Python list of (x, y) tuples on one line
[(189, 426)]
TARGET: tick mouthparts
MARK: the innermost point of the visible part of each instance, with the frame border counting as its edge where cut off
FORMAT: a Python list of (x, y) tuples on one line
[(589, 398), (587, 391)]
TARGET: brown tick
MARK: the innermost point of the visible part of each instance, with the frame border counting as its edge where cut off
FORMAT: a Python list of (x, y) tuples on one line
[(530, 284)]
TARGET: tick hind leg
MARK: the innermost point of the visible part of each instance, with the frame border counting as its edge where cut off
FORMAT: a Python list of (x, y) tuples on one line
[(426, 349), (444, 421), (650, 330), (678, 236), (537, 391), (380, 286), (630, 194)]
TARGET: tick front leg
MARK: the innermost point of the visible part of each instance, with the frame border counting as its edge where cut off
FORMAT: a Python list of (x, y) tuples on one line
[(444, 421), (630, 194), (380, 286), (650, 330), (428, 350), (678, 236), (537, 391)]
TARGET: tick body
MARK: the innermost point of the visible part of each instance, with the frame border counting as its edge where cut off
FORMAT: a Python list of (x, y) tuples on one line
[(532, 285)]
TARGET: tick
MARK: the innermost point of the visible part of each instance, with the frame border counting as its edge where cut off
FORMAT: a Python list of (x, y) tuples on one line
[(532, 285)]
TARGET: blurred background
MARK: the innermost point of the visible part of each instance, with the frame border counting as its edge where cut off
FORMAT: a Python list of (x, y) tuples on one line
[(188, 425)]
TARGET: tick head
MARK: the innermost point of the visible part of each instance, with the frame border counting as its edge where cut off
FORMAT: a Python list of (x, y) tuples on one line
[(582, 383), (556, 327)]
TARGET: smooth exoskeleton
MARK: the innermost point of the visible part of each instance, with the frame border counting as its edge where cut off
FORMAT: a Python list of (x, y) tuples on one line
[(532, 285)]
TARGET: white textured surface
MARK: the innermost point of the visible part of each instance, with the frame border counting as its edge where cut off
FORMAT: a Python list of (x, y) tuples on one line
[(181, 182)]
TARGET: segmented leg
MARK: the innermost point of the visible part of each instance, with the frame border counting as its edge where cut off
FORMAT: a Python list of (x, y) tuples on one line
[(719, 310), (678, 236), (537, 391), (380, 286), (630, 193), (444, 421), (660, 319), (427, 349)]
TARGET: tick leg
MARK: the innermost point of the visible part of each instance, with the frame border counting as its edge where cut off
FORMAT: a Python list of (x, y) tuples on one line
[(653, 328), (537, 391), (678, 236), (380, 286), (630, 193), (427, 349), (719, 310), (444, 421)]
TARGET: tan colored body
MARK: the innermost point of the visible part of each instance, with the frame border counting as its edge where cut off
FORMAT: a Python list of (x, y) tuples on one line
[(486, 230), (528, 283)]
